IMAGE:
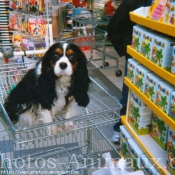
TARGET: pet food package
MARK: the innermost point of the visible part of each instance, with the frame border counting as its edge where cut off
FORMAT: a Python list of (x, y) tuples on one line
[(140, 77), (137, 36), (151, 85), (170, 158), (162, 51), (172, 105), (173, 61), (159, 131), (147, 43), (131, 69), (146, 166), (134, 154), (169, 13), (163, 95), (124, 137), (139, 115)]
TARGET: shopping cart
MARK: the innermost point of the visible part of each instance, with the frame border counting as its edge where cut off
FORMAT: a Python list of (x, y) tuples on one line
[(31, 150), (95, 39), (77, 152), (102, 109)]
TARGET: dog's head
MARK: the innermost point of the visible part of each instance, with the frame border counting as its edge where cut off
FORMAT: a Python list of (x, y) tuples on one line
[(67, 59), (63, 59)]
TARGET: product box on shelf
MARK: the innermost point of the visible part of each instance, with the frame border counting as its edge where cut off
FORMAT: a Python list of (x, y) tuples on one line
[(139, 115), (131, 69), (147, 43), (140, 77), (173, 61), (124, 137), (172, 105), (157, 10), (163, 96), (134, 152), (159, 131), (169, 12), (162, 51), (170, 159), (146, 166), (137, 37), (151, 85)]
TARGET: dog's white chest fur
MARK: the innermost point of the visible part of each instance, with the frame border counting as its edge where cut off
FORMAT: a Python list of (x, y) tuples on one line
[(62, 87)]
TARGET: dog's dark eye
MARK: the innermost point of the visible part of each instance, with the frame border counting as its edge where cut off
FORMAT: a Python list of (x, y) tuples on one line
[(56, 55), (71, 58)]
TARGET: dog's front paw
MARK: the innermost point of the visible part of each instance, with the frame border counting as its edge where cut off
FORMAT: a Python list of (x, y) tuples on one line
[(69, 126), (51, 130), (82, 100), (60, 129)]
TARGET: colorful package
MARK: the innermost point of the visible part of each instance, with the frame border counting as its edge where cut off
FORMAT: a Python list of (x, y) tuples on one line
[(172, 106), (151, 85), (157, 10), (139, 115), (146, 166), (163, 93), (169, 14), (137, 37), (134, 154), (37, 26), (159, 131), (140, 77), (147, 44), (162, 51), (131, 69), (124, 136), (173, 61)]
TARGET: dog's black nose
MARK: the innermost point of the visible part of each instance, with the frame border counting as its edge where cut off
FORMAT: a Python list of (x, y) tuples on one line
[(63, 65)]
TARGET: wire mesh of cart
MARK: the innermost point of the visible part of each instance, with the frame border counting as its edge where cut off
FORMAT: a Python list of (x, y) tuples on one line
[(77, 152), (103, 109)]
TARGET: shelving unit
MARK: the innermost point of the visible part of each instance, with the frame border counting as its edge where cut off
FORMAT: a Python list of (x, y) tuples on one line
[(150, 104), (150, 65), (149, 146), (155, 25)]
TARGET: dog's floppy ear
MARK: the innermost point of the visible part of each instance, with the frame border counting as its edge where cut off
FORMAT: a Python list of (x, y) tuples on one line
[(46, 60), (46, 81), (81, 79)]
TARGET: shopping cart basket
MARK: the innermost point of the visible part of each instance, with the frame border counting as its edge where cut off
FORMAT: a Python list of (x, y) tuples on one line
[(102, 109), (77, 152)]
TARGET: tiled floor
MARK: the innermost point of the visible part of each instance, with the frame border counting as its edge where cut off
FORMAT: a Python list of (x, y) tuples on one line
[(111, 70)]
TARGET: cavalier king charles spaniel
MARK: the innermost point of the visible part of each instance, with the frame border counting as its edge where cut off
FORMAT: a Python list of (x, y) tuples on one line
[(59, 79)]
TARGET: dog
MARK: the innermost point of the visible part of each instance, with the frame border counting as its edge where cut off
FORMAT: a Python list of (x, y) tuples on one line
[(50, 89)]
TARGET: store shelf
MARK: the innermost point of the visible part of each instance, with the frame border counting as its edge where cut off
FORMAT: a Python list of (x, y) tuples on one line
[(155, 153), (155, 25), (152, 66), (150, 104)]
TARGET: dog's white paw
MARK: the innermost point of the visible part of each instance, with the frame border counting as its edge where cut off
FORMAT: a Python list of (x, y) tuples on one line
[(69, 126), (51, 130), (59, 129)]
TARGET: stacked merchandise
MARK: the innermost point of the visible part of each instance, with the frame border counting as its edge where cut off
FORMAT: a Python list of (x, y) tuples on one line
[(37, 23), (159, 49)]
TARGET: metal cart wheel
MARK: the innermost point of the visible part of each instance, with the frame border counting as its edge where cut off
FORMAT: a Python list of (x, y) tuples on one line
[(106, 64), (118, 72)]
